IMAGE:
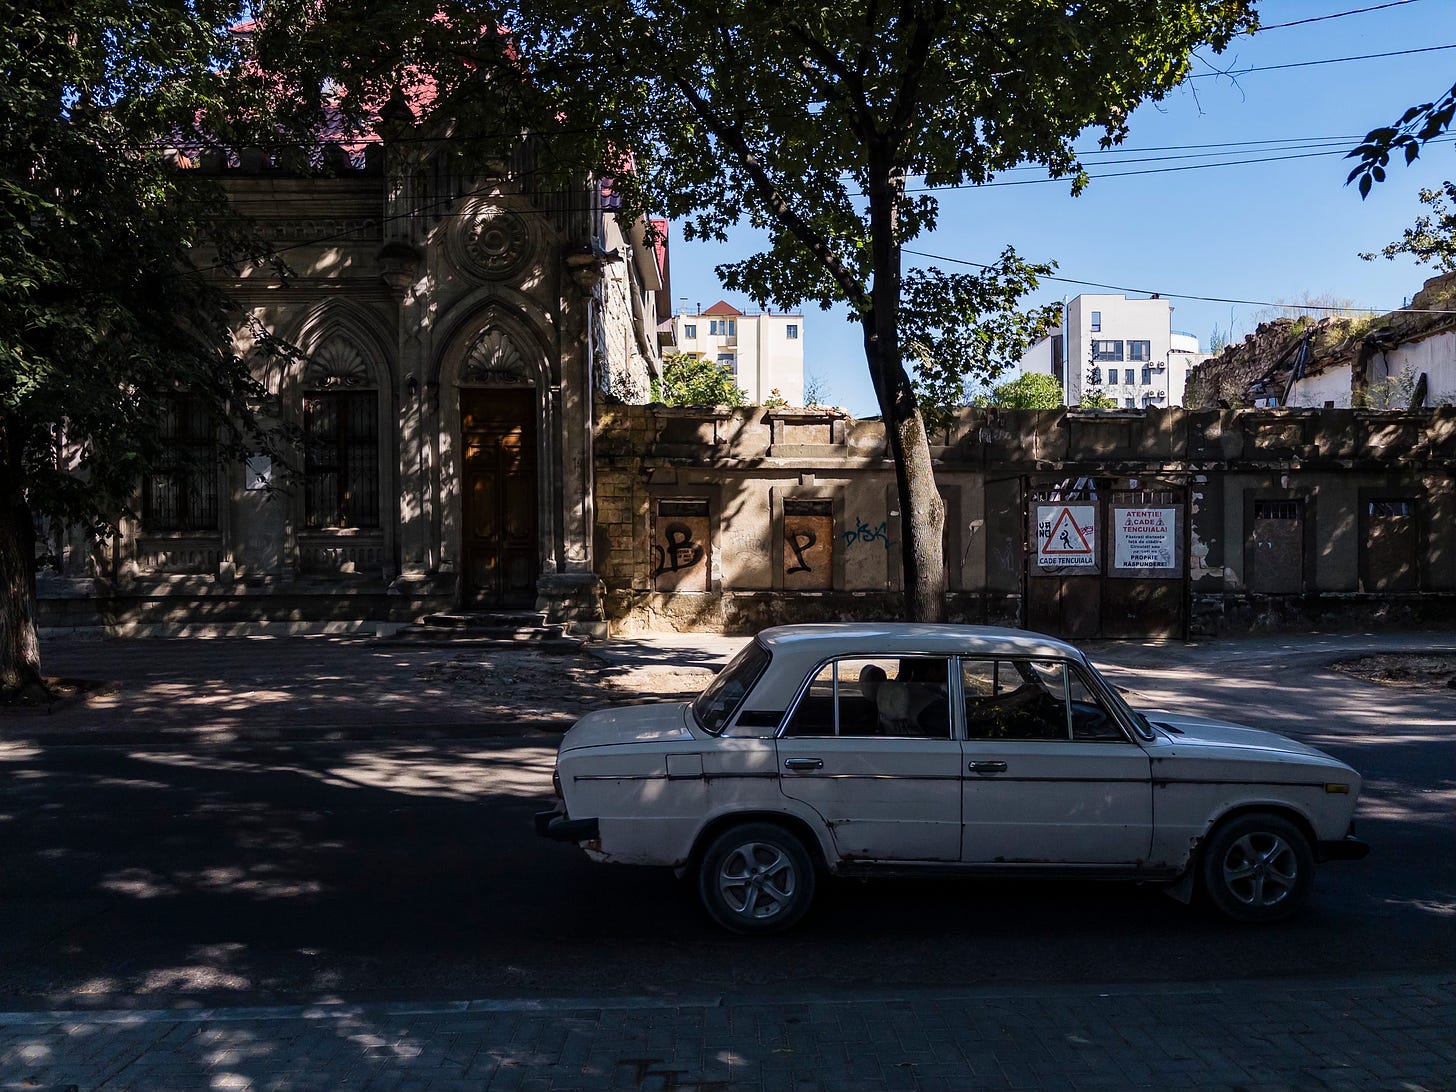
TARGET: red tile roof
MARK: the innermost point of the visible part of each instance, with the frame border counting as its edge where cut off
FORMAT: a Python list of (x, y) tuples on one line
[(722, 307)]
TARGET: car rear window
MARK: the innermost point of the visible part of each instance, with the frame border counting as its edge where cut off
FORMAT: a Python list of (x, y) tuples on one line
[(715, 706)]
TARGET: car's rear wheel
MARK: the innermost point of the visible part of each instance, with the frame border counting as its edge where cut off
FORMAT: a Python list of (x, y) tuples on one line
[(756, 878), (1257, 867)]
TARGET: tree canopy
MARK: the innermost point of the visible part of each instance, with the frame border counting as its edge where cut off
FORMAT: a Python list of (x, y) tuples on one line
[(831, 127), (1034, 390), (692, 381), (106, 308)]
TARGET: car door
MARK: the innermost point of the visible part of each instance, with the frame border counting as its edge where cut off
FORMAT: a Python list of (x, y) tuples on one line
[(869, 748), (1050, 777)]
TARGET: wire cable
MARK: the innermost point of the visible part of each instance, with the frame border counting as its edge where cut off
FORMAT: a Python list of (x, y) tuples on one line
[(1332, 15), (1124, 289)]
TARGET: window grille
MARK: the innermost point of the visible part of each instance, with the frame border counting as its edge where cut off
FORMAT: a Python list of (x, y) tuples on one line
[(341, 459)]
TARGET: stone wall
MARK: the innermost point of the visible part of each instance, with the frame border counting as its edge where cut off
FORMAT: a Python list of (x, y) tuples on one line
[(736, 519)]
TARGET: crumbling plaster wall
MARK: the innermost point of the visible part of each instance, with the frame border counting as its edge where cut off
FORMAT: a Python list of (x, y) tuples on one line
[(1332, 461)]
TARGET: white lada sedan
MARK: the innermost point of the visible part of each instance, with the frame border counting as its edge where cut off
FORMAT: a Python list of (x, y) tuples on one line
[(862, 749)]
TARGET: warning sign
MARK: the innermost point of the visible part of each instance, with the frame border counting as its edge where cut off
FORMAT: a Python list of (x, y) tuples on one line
[(1145, 538), (1066, 535)]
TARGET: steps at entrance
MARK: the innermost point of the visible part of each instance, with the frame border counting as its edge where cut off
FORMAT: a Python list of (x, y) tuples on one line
[(522, 629)]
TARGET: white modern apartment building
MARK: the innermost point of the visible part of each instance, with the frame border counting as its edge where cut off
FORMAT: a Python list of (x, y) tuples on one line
[(765, 351), (1125, 348)]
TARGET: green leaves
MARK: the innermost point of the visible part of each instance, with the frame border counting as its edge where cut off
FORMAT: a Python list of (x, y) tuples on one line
[(1418, 125), (692, 381), (1432, 238), (963, 330)]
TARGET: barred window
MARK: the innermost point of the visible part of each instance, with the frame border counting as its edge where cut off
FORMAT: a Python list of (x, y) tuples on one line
[(341, 458), (181, 492)]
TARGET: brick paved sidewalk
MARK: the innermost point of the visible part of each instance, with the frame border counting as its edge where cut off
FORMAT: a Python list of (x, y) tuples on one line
[(1374, 1033)]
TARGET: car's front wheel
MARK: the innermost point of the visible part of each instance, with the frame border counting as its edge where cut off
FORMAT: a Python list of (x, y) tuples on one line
[(1257, 867), (756, 878)]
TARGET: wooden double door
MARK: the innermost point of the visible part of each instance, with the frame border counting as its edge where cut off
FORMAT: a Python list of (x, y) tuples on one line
[(501, 544)]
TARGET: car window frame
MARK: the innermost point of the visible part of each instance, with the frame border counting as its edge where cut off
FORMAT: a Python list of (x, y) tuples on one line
[(1122, 714), (952, 696), (730, 718)]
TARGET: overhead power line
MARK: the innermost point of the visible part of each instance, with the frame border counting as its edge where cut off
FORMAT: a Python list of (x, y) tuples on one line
[(1189, 295), (1332, 15), (1324, 60)]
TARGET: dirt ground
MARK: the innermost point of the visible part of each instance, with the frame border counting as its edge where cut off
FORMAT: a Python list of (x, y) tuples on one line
[(508, 681), (1404, 670)]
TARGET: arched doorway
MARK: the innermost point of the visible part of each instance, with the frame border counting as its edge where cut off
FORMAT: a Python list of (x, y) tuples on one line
[(500, 544)]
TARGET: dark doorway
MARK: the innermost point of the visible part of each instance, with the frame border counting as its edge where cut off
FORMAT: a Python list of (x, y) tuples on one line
[(499, 491)]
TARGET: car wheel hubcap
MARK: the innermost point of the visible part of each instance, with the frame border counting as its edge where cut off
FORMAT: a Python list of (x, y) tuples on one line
[(757, 880), (1260, 869)]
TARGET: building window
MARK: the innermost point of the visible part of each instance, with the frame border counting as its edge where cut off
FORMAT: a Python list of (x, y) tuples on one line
[(1390, 561), (791, 331), (681, 545), (690, 330), (1139, 350), (722, 327), (1127, 375), (1277, 540), (729, 361), (1147, 374), (808, 554), (1096, 322), (181, 493), (1094, 375), (341, 459), (1128, 403), (1107, 350)]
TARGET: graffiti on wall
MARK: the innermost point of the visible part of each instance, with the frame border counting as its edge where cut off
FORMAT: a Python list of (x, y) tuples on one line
[(680, 546), (808, 556), (864, 532)]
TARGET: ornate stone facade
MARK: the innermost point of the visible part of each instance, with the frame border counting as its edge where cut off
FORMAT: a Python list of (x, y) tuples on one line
[(452, 350)]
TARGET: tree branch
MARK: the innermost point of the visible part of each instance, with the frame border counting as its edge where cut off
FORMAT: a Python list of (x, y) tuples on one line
[(732, 136)]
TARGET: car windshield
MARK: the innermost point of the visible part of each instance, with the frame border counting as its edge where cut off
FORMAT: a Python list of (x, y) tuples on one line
[(715, 706)]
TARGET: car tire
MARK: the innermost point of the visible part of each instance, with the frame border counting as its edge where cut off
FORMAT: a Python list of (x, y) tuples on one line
[(1257, 867), (756, 878)]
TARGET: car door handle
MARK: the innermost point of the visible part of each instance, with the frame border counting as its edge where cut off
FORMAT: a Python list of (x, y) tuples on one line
[(803, 763), (988, 767)]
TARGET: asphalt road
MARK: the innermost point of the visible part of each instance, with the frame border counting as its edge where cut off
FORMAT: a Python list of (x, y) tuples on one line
[(168, 874)]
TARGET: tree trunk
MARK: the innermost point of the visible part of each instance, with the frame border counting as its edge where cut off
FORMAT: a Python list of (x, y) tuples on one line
[(20, 677), (922, 512)]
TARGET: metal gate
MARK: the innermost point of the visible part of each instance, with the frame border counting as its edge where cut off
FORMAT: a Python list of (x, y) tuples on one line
[(1106, 557)]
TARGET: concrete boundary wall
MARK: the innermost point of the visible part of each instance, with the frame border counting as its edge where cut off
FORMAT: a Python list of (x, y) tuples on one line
[(720, 519)]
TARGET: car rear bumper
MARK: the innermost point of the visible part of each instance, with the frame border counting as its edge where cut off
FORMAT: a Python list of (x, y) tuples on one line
[(1348, 848), (556, 826)]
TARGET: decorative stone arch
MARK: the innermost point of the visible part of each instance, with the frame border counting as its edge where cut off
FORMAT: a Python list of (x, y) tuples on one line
[(343, 345), (502, 341)]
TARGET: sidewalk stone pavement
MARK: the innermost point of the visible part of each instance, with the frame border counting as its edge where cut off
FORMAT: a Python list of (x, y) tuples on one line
[(1267, 1036)]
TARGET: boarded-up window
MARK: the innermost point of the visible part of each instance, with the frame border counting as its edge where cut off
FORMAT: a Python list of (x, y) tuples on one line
[(1390, 562), (808, 557), (181, 493), (680, 545), (1278, 546)]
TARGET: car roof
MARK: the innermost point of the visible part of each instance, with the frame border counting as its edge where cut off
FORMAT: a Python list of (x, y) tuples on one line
[(910, 637)]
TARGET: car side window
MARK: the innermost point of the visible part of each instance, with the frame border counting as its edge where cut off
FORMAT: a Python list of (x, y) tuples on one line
[(1091, 721), (1015, 699), (876, 696)]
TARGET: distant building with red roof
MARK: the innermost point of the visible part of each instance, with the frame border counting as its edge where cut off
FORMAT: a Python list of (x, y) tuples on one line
[(765, 351)]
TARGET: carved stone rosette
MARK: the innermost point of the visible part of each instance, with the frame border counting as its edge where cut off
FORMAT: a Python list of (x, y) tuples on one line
[(495, 245)]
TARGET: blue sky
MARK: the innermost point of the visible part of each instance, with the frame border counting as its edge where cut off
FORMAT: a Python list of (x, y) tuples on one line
[(1261, 232)]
